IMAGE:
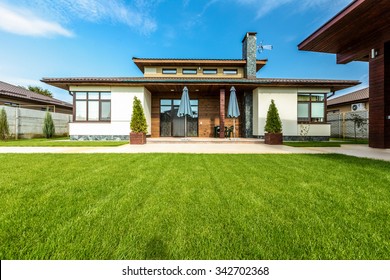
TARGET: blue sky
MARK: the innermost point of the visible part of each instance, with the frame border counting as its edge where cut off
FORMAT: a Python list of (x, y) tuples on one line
[(73, 38)]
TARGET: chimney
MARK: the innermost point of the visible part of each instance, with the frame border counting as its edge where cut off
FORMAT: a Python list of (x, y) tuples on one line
[(249, 49)]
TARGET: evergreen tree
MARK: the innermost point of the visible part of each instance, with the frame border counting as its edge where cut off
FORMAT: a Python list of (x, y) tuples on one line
[(48, 126), (138, 121), (4, 128), (273, 123), (40, 90)]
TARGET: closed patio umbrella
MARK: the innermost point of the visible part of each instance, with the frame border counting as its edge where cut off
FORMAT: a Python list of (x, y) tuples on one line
[(185, 108), (233, 110)]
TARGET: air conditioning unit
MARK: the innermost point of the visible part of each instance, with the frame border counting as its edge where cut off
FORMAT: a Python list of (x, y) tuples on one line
[(357, 107)]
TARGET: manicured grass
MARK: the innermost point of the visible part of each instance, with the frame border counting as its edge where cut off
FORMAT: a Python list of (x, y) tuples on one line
[(59, 142), (312, 144), (332, 143), (193, 206)]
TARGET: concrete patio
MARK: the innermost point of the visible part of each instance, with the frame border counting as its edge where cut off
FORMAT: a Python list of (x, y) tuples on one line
[(210, 146)]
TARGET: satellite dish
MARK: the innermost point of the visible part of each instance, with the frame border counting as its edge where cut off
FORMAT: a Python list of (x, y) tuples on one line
[(261, 47)]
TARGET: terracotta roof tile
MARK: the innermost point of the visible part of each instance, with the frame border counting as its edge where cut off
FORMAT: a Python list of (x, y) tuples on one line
[(350, 97), (65, 82), (19, 92)]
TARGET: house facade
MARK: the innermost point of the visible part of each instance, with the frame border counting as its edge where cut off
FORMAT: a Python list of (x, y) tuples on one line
[(352, 102), (103, 105), (19, 97)]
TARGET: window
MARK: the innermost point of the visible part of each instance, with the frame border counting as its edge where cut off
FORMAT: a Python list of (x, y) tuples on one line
[(190, 71), (210, 71), (230, 71), (169, 71), (11, 104), (92, 106), (311, 107)]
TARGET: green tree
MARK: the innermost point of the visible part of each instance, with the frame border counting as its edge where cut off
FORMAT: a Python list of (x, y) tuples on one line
[(138, 121), (4, 128), (273, 123), (48, 126), (40, 90), (358, 123)]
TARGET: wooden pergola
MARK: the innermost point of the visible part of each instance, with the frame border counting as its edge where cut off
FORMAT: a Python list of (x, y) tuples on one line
[(361, 32)]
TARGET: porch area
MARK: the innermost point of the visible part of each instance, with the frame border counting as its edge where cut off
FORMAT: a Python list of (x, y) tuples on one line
[(209, 104)]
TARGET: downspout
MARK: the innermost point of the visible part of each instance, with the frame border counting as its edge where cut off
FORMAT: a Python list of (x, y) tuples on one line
[(331, 95)]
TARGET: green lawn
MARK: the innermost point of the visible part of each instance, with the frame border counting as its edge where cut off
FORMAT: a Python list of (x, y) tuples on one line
[(333, 143), (58, 142), (193, 206)]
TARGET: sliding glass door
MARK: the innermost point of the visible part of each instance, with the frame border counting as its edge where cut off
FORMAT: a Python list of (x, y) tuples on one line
[(171, 124)]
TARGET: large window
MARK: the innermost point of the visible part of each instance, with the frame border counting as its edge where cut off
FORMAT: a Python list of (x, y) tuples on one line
[(92, 106), (311, 107), (172, 125)]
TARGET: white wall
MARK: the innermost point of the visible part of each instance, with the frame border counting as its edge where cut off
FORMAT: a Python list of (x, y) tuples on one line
[(121, 109), (286, 100)]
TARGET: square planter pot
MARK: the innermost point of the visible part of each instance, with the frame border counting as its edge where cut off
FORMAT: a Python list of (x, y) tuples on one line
[(137, 138), (273, 138)]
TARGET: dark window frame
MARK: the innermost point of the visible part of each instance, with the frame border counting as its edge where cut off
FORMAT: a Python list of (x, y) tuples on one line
[(190, 71), (87, 99), (169, 71), (213, 71), (309, 103), (232, 71)]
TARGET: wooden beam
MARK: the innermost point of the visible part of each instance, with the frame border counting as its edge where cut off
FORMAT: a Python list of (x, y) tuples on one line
[(379, 114), (222, 113), (352, 55)]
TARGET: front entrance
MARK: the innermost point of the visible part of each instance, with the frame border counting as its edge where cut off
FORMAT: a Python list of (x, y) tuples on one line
[(171, 124)]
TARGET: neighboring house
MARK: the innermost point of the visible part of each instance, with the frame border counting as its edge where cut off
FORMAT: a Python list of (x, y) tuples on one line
[(351, 102), (15, 96), (344, 113), (103, 105)]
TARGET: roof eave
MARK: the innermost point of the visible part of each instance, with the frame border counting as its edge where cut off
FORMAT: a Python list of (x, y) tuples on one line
[(308, 43)]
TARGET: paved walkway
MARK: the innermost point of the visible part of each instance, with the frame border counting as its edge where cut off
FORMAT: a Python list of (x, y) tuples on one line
[(211, 148)]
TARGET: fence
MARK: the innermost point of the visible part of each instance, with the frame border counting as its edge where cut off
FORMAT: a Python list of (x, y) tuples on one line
[(28, 123), (349, 124)]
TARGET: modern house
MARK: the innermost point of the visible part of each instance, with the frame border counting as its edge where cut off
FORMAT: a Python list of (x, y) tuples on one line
[(361, 32), (15, 96), (351, 102), (103, 105)]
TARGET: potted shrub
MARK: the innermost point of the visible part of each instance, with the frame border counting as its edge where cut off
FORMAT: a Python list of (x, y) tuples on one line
[(273, 126), (138, 124)]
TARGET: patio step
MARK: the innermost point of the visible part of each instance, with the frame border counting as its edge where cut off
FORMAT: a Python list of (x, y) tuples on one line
[(196, 140)]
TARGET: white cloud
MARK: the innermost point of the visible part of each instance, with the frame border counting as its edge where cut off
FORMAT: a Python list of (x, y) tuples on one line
[(136, 14), (24, 22), (266, 6)]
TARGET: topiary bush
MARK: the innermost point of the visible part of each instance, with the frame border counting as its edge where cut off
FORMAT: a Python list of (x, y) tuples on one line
[(48, 126), (138, 121), (273, 123), (4, 128)]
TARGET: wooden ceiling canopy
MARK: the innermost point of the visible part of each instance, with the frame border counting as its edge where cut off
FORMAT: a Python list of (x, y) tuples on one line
[(352, 34)]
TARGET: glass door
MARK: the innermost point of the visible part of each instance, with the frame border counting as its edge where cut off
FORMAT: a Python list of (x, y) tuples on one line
[(171, 124)]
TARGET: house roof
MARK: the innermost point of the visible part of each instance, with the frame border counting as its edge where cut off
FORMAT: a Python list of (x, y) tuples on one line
[(176, 62), (21, 93), (359, 95), (353, 32), (158, 83)]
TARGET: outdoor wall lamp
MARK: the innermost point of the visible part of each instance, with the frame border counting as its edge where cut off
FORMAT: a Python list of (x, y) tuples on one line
[(374, 53)]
